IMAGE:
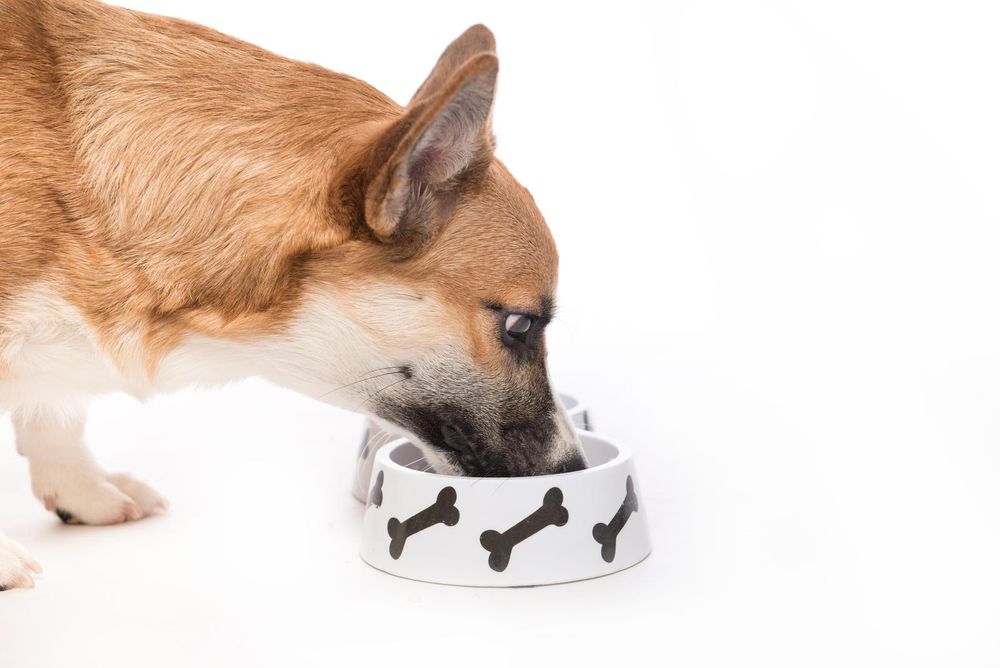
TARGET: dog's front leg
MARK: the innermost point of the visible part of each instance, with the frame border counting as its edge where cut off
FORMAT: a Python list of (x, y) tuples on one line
[(67, 479)]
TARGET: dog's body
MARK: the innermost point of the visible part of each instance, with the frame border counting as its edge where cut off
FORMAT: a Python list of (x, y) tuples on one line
[(179, 207)]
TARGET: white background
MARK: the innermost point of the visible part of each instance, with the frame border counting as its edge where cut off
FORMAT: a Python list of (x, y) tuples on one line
[(779, 233)]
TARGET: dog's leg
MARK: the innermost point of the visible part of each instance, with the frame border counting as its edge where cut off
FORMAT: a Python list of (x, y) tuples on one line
[(16, 566), (67, 479)]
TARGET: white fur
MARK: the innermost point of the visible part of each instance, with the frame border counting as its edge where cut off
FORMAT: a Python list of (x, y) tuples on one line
[(16, 567), (54, 365)]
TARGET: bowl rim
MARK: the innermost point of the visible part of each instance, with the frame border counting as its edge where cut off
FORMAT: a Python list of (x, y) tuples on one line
[(622, 455)]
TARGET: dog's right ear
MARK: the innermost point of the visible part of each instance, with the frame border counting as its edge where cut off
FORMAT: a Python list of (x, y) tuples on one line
[(420, 159)]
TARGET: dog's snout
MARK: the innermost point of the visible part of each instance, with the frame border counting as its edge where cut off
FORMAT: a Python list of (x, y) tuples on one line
[(464, 443)]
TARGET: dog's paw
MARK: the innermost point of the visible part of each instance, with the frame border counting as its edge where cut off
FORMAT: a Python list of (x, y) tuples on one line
[(91, 497), (16, 567)]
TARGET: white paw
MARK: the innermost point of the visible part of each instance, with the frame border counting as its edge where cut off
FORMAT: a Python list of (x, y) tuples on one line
[(89, 496), (16, 567)]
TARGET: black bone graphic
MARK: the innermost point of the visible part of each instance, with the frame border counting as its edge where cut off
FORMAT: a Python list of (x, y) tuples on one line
[(500, 545), (375, 496), (607, 534), (442, 511)]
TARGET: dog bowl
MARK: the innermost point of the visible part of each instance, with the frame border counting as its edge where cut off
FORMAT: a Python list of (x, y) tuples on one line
[(505, 532), (375, 438)]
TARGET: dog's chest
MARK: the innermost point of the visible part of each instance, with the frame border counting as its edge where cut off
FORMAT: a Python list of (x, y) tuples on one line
[(49, 355)]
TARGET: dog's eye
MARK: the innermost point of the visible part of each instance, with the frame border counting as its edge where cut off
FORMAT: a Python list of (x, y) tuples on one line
[(518, 326), (519, 331)]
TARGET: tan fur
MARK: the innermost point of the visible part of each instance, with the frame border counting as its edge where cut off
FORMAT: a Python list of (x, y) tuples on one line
[(166, 179), (179, 207)]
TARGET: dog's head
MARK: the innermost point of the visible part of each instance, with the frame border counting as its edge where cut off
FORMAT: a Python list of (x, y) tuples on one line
[(452, 283)]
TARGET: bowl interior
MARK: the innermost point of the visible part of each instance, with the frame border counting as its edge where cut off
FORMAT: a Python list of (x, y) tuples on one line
[(597, 451)]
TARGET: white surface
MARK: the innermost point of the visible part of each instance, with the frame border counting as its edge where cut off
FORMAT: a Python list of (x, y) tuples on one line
[(779, 235), (455, 554)]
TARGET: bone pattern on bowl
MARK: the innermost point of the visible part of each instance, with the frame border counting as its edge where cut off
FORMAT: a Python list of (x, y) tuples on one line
[(500, 545), (375, 496), (442, 511), (607, 534), (503, 538), (552, 512)]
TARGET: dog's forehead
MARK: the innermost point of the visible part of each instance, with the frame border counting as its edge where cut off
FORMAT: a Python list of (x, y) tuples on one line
[(497, 242)]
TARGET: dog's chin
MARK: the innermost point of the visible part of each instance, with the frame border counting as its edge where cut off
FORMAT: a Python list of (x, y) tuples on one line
[(435, 459), (442, 460)]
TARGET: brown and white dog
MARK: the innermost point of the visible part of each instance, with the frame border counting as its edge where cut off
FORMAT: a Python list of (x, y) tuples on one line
[(179, 207)]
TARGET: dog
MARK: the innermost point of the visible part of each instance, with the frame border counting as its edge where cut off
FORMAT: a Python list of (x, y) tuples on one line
[(179, 207)]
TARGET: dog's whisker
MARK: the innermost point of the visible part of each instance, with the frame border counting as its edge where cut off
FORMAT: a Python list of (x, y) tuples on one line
[(378, 440), (418, 459), (386, 387), (373, 443), (368, 377), (368, 374), (381, 390)]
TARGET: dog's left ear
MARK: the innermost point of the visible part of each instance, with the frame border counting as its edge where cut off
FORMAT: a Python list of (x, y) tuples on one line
[(419, 161)]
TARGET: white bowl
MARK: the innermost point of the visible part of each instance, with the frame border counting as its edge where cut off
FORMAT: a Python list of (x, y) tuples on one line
[(505, 532), (375, 438)]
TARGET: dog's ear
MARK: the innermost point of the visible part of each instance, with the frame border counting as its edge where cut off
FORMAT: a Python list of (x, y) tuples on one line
[(418, 162), (477, 39)]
